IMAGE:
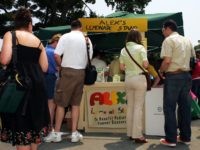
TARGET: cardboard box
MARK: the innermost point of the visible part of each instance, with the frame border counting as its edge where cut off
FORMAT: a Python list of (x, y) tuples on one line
[(154, 117)]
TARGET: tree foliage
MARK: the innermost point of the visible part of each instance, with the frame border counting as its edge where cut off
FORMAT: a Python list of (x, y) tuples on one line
[(133, 6), (48, 12), (61, 12)]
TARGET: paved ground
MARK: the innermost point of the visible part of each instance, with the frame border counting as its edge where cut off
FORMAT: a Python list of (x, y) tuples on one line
[(105, 141)]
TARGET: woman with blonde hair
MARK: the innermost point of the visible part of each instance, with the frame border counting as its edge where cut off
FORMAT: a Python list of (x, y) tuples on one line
[(26, 127), (135, 84)]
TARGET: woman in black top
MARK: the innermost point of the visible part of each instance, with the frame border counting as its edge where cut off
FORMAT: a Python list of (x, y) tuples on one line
[(25, 130)]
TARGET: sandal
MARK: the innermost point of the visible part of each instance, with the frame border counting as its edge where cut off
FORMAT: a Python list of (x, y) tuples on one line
[(130, 138), (140, 140)]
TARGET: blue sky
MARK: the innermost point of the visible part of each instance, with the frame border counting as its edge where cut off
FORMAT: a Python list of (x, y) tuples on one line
[(191, 17)]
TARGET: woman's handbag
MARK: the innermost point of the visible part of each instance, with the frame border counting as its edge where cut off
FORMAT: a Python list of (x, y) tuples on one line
[(148, 78), (4, 73), (147, 75), (90, 70), (12, 90), (11, 94)]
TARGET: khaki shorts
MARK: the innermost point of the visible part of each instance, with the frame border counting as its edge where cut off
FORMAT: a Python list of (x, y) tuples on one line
[(69, 88)]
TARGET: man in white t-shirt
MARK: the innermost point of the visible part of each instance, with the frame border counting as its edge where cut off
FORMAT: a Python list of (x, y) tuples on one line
[(72, 48)]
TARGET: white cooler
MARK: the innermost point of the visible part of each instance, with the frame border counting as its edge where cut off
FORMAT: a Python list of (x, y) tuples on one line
[(154, 117)]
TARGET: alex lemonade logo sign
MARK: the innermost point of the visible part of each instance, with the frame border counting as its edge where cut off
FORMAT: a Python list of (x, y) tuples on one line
[(107, 108), (113, 24), (108, 98)]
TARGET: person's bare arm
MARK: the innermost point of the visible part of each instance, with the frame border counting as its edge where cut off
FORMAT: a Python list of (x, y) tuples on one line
[(156, 81), (145, 64), (6, 51), (43, 61), (122, 67), (57, 59)]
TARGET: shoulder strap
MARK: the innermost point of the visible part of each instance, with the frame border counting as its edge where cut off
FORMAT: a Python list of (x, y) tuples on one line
[(14, 50), (39, 44), (88, 47), (134, 60)]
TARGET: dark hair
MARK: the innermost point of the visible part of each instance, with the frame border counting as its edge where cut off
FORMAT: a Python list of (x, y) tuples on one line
[(170, 24), (22, 18), (98, 53), (134, 36), (76, 24)]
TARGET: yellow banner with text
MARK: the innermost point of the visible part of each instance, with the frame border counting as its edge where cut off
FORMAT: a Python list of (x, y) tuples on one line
[(113, 24)]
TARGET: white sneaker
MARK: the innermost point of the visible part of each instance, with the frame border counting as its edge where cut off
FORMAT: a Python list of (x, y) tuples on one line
[(53, 137), (165, 142), (76, 137)]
